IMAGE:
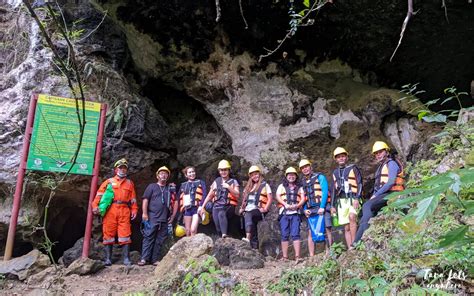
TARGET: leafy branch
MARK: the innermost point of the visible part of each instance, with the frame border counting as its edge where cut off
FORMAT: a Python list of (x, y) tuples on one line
[(427, 115), (427, 195), (299, 19)]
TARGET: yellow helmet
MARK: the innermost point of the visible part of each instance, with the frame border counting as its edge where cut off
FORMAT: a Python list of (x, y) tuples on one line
[(303, 162), (223, 164), (339, 150), (253, 169), (291, 170), (379, 145), (179, 231), (121, 162), (163, 168), (206, 219)]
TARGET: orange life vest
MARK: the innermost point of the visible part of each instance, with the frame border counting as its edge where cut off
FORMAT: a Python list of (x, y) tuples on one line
[(289, 198), (381, 177), (221, 192), (313, 190), (349, 177), (261, 196), (194, 189)]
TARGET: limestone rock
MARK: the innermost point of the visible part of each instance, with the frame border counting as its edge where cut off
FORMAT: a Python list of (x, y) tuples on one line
[(46, 276), (83, 266), (180, 253), (24, 266), (403, 134), (237, 254)]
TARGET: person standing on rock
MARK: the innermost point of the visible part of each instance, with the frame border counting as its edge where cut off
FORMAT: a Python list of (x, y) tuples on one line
[(191, 197), (315, 188), (224, 194), (122, 208), (159, 209), (257, 198), (346, 193), (290, 198), (389, 177)]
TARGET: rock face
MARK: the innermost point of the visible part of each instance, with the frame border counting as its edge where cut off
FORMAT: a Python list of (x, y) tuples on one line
[(237, 254), (24, 266), (180, 253)]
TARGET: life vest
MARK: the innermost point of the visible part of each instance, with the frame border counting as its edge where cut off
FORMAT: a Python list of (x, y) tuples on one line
[(313, 191), (289, 196), (348, 176), (261, 197), (381, 176), (221, 192), (195, 191)]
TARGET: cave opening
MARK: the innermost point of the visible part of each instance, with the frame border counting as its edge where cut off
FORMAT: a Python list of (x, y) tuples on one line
[(65, 228)]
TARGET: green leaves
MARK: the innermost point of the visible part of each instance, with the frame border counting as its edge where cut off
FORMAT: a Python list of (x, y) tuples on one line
[(429, 193), (375, 286), (434, 118), (425, 208), (453, 236)]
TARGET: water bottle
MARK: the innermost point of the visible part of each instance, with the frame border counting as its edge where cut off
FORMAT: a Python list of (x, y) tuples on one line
[(170, 229), (335, 220)]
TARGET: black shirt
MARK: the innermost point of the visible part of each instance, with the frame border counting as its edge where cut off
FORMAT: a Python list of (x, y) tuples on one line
[(159, 202)]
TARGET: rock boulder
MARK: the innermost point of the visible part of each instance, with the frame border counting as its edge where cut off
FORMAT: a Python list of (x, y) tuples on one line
[(237, 254), (24, 266), (185, 249)]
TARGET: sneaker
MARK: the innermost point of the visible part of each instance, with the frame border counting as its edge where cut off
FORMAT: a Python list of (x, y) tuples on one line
[(142, 263), (246, 239), (224, 235)]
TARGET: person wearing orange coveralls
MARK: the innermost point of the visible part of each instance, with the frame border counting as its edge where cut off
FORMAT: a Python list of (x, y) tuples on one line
[(123, 209)]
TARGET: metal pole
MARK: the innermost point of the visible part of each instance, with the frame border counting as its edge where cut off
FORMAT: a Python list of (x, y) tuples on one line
[(95, 177), (19, 179)]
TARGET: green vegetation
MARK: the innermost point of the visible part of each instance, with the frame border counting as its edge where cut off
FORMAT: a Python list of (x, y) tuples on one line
[(201, 276), (311, 280)]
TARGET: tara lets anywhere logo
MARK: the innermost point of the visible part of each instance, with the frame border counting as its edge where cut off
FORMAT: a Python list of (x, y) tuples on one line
[(447, 281)]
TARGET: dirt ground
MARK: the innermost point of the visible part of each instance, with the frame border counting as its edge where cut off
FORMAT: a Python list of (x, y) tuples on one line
[(120, 280), (113, 280)]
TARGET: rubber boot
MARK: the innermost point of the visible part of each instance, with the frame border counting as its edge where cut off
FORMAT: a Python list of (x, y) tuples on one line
[(108, 255), (125, 255)]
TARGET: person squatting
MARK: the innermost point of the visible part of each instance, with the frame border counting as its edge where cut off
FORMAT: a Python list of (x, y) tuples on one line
[(305, 196)]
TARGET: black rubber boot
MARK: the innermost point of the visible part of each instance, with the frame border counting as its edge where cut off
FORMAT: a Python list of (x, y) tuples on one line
[(108, 255), (125, 255)]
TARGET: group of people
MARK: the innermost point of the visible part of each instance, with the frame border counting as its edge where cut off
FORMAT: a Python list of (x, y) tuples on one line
[(309, 196)]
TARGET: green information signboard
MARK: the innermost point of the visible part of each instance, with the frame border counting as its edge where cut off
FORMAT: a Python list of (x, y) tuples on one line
[(56, 135)]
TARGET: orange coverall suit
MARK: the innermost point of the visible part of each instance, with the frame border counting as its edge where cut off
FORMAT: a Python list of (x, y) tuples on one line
[(117, 219)]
